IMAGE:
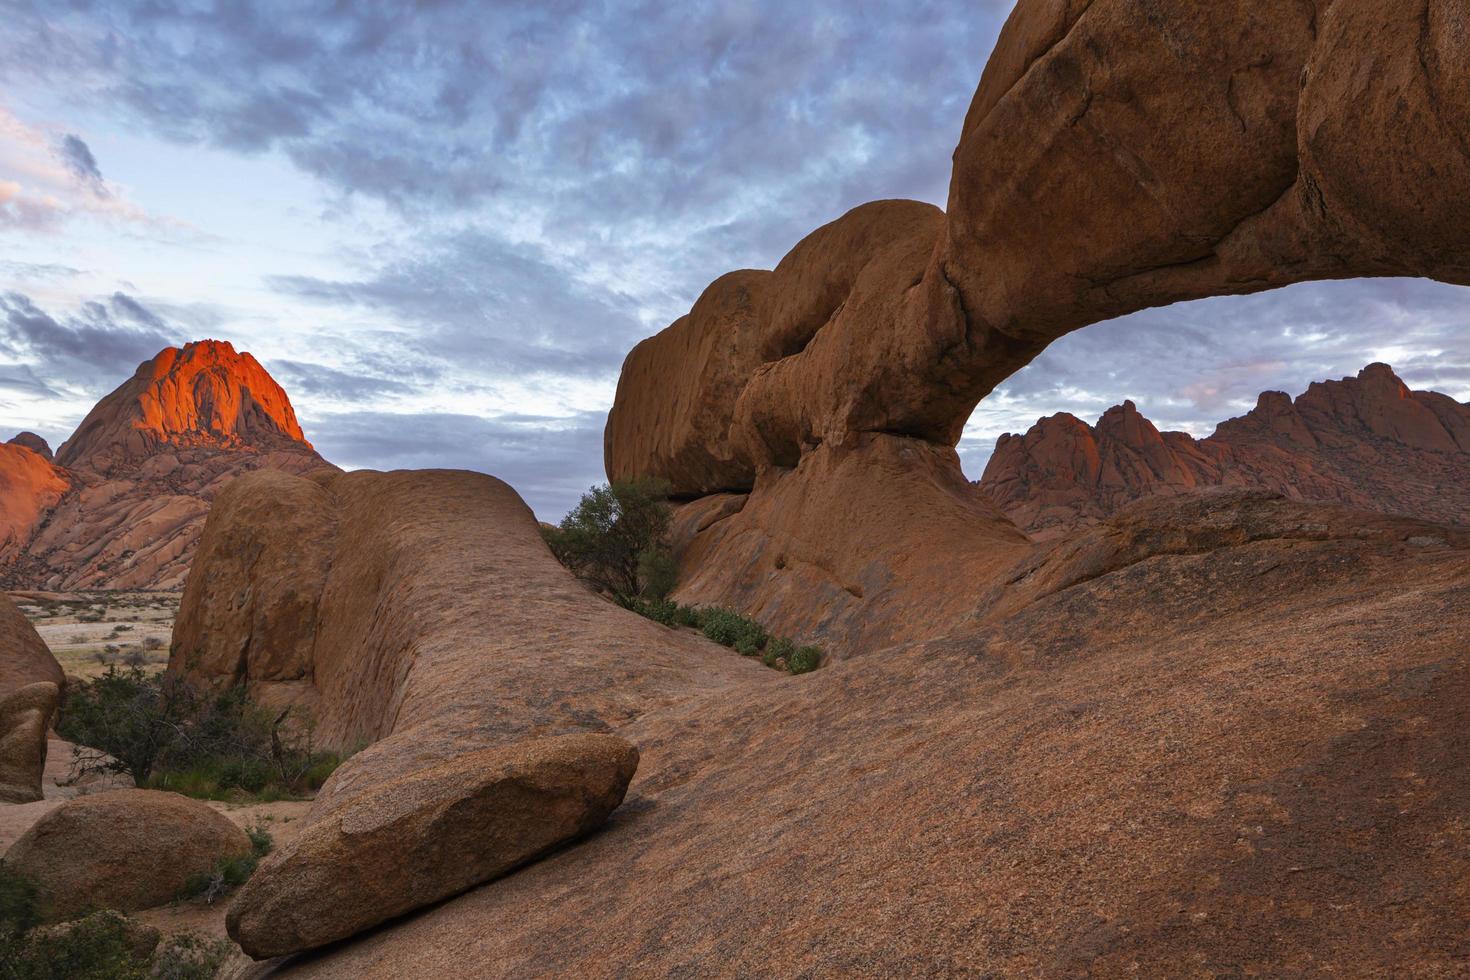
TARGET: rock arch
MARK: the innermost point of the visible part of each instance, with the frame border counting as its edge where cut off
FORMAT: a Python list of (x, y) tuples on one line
[(1118, 154)]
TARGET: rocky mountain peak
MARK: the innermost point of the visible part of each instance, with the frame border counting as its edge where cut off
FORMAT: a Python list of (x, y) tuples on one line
[(205, 394), (33, 442), (1366, 441)]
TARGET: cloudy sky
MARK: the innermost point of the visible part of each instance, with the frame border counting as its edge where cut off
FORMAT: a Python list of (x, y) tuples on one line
[(442, 224)]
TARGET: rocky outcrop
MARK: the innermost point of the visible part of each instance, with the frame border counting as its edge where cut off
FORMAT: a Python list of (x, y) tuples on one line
[(1367, 442), (420, 611), (30, 486), (24, 656), (1116, 156), (203, 395), (419, 839), (125, 501), (125, 849), (25, 719), (1207, 712), (33, 442)]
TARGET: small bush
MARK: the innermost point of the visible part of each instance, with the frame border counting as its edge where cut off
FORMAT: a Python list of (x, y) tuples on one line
[(778, 652), (231, 872), (729, 628), (103, 946), (804, 660), (658, 572), (19, 906), (166, 735), (153, 643), (108, 946), (616, 538)]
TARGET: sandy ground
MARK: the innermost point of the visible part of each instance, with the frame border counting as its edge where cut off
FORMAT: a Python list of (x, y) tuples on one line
[(87, 631)]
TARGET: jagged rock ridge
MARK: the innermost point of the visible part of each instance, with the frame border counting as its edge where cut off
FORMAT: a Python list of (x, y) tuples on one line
[(1367, 442), (124, 501)]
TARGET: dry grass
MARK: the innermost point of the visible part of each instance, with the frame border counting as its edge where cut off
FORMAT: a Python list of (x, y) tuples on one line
[(88, 631)]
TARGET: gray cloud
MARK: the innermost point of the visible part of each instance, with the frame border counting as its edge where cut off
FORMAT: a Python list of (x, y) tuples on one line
[(77, 156), (309, 378), (489, 307), (103, 340)]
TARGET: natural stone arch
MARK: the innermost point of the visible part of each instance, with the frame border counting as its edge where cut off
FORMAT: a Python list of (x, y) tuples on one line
[(1118, 154)]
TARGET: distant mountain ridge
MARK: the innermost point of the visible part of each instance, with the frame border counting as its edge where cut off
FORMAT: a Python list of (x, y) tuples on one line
[(1367, 442), (124, 501)]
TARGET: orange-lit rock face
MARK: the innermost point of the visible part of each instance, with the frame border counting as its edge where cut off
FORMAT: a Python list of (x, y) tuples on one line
[(1117, 155), (124, 504), (203, 395), (1368, 442)]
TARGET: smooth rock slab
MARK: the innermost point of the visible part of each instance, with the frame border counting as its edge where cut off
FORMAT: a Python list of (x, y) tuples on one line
[(25, 715), (427, 836), (128, 849)]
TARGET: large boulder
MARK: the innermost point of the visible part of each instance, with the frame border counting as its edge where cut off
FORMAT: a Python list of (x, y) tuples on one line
[(24, 656), (25, 717), (420, 614), (424, 837), (127, 849)]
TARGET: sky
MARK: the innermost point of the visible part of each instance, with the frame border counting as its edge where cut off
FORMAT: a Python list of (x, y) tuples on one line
[(441, 225)]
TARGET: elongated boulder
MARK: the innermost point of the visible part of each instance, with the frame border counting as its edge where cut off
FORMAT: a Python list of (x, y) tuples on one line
[(24, 656), (424, 837), (25, 715), (128, 849)]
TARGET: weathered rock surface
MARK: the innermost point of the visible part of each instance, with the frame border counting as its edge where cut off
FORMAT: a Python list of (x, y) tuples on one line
[(124, 503), (1367, 442), (1116, 156), (1219, 734), (420, 605), (33, 442), (24, 656), (29, 487), (25, 718), (125, 849), (424, 837)]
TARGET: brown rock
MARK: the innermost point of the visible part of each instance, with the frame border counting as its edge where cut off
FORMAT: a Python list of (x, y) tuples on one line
[(25, 718), (29, 487), (419, 839), (33, 442), (1169, 741), (126, 849), (420, 614), (24, 656), (124, 507), (1367, 442), (1116, 156)]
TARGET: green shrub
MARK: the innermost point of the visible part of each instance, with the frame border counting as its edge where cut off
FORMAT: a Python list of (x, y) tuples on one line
[(729, 628), (19, 906), (616, 538), (779, 650), (167, 735), (231, 872), (658, 572), (108, 946), (804, 660), (688, 616), (103, 946), (130, 717)]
